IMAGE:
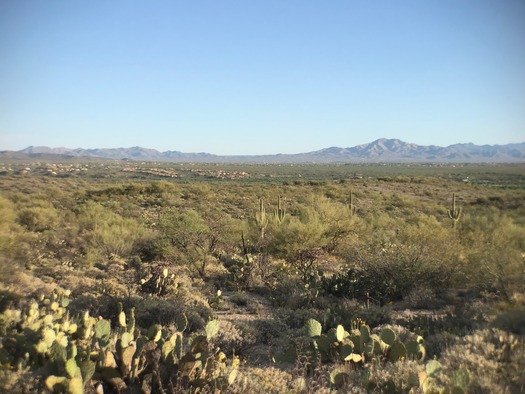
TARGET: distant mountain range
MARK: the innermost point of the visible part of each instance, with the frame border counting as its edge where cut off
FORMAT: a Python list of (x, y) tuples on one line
[(380, 151)]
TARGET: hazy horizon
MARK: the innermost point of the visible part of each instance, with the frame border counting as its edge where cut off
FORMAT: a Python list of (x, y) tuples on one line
[(242, 154), (247, 154), (260, 77)]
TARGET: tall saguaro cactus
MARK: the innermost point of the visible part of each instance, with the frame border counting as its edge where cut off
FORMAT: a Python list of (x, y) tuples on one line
[(351, 206), (261, 219), (454, 213), (280, 213)]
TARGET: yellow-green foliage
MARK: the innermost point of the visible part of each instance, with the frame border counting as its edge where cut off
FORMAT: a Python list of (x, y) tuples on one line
[(39, 218), (493, 252), (394, 258), (13, 246), (318, 222), (107, 232), (9, 229), (194, 238)]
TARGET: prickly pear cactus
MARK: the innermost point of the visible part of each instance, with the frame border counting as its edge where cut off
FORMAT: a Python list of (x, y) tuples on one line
[(358, 346), (84, 352)]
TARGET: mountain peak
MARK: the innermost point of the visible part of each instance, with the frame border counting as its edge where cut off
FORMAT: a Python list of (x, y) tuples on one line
[(383, 150)]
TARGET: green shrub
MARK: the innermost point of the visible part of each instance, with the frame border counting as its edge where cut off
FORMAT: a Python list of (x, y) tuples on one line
[(375, 315), (171, 311), (39, 218), (233, 338), (493, 255), (393, 264), (108, 233), (493, 360), (512, 320)]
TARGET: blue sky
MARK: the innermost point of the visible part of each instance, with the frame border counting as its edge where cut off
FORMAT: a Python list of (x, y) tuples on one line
[(254, 77)]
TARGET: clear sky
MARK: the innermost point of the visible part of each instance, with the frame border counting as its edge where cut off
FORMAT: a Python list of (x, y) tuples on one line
[(260, 76)]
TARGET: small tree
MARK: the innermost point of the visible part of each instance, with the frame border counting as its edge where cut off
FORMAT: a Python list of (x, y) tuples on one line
[(196, 239)]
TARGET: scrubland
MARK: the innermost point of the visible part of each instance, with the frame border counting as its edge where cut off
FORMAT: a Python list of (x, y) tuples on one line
[(167, 278)]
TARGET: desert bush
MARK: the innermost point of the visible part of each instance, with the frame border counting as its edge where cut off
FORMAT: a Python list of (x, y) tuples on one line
[(39, 218), (298, 232), (269, 331), (317, 223), (334, 311), (296, 318), (19, 380), (375, 315), (459, 320), (84, 300), (239, 299), (392, 378), (293, 293), (511, 320), (166, 312), (232, 338), (493, 254), (493, 359), (267, 380), (337, 310), (108, 233), (423, 298), (13, 243), (195, 239), (8, 300), (172, 310), (397, 261)]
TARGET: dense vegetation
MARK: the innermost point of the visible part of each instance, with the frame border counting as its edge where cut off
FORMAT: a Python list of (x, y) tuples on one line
[(143, 277)]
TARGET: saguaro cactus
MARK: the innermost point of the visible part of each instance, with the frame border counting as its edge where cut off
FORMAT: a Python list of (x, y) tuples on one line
[(351, 206), (280, 213), (261, 219), (454, 213)]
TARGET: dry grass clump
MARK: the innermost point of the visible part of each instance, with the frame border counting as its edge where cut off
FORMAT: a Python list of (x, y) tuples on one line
[(271, 381), (494, 359), (233, 339), (18, 381)]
